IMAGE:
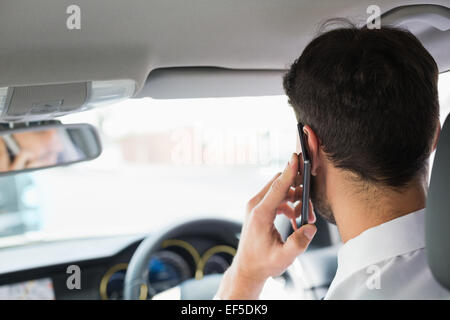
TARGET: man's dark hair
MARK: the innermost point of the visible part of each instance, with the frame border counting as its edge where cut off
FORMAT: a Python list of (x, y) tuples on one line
[(370, 95)]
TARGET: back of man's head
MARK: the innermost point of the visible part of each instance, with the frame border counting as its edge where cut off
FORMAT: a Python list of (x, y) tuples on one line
[(371, 98)]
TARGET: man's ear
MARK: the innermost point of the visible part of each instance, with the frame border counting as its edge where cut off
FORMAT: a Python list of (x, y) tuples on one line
[(436, 136), (314, 148)]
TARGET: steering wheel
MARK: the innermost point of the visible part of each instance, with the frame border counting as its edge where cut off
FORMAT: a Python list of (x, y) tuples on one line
[(136, 277)]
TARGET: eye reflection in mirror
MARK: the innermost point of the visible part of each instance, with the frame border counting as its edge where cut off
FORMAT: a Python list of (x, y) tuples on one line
[(35, 147)]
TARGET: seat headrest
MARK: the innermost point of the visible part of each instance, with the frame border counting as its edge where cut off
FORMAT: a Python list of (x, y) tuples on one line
[(437, 221)]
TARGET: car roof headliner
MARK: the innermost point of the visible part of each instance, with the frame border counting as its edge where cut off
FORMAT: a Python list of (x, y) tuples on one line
[(129, 39)]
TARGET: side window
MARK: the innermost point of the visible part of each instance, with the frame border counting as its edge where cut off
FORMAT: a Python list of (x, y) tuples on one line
[(19, 205), (9, 199)]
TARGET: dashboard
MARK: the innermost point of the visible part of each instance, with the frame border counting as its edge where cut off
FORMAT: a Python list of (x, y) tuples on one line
[(177, 261), (192, 256), (103, 268), (40, 289)]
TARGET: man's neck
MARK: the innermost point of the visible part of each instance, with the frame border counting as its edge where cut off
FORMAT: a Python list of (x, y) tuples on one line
[(357, 209)]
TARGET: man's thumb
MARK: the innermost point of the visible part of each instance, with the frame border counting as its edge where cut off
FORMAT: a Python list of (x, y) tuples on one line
[(299, 240)]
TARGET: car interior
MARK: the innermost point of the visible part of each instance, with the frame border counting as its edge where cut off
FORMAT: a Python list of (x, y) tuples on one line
[(168, 116)]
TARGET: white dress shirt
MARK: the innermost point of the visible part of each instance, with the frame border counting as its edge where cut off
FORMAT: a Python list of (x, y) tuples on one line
[(384, 262), (387, 262)]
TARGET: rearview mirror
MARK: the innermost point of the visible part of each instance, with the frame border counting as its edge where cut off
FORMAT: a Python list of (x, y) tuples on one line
[(38, 146)]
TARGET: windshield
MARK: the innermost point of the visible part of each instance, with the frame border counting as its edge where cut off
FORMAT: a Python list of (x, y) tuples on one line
[(163, 161)]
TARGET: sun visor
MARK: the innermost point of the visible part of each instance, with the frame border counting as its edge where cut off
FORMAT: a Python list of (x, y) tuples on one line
[(42, 102), (208, 82)]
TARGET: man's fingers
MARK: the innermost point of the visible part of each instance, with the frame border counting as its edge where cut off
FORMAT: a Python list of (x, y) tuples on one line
[(279, 189), (289, 209), (4, 157), (298, 241), (260, 195), (294, 193), (21, 161), (294, 210), (266, 188), (294, 224)]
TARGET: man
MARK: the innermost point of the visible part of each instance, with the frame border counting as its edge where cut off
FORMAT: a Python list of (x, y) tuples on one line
[(35, 149), (369, 104)]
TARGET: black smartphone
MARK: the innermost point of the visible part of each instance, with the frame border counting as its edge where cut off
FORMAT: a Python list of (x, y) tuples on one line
[(306, 176)]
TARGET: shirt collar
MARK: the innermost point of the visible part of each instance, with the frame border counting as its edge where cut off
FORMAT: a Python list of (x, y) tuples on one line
[(387, 240)]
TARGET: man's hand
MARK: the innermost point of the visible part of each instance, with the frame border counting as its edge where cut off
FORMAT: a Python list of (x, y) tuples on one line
[(262, 253), (21, 161)]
